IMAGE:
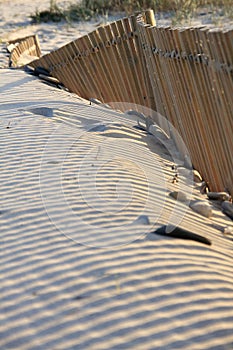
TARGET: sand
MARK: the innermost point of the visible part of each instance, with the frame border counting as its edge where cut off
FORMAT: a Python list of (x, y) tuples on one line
[(82, 188)]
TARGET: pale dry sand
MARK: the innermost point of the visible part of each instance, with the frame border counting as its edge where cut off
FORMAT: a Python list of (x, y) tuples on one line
[(76, 178)]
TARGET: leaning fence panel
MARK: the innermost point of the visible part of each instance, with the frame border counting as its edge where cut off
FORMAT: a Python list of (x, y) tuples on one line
[(183, 74)]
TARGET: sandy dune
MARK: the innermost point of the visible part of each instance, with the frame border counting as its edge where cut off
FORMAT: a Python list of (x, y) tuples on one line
[(71, 183)]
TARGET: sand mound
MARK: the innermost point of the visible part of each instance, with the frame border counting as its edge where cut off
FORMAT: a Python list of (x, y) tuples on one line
[(76, 178)]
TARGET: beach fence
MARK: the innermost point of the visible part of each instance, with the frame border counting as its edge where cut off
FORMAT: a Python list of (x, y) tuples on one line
[(22, 50), (182, 74)]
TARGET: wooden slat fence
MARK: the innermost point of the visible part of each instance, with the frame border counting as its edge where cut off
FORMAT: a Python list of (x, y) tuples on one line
[(183, 74), (191, 72), (28, 46)]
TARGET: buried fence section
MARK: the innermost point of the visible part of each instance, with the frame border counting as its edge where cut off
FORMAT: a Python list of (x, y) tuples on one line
[(184, 75), (24, 48)]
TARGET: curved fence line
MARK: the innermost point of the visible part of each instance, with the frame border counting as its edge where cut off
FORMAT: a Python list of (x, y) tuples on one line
[(183, 74)]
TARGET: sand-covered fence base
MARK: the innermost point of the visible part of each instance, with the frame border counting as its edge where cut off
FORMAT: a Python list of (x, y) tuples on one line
[(59, 289), (23, 50)]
